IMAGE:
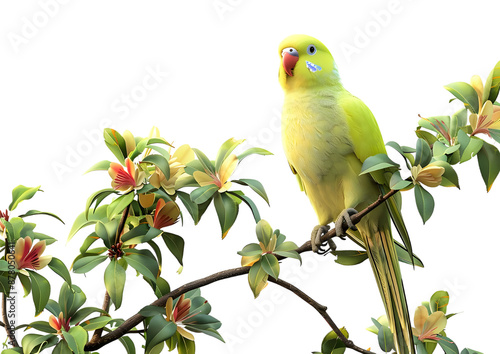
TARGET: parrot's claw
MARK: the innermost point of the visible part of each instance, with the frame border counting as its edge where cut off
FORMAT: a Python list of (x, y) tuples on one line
[(317, 232), (345, 216)]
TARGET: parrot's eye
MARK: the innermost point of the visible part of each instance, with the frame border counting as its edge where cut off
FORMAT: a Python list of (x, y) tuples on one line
[(311, 49)]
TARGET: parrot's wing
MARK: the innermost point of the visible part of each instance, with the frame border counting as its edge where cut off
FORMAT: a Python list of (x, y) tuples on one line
[(364, 131), (299, 180), (367, 141)]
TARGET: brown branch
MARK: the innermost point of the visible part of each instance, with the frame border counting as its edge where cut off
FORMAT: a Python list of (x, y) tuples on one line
[(133, 321), (105, 307), (322, 311)]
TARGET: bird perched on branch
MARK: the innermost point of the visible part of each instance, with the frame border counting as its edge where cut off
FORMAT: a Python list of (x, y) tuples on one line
[(327, 134)]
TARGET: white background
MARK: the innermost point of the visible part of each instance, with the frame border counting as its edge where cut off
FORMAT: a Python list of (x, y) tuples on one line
[(67, 69)]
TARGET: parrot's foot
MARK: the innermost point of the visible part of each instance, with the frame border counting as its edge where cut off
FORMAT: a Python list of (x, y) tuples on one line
[(345, 216), (317, 232)]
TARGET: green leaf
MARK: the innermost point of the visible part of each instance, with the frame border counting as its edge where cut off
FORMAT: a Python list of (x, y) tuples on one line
[(332, 344), (447, 345), (115, 142), (162, 287), (61, 348), (16, 350), (151, 311), (249, 202), (185, 346), (489, 164), (35, 342), (465, 93), (493, 84), (385, 339), (107, 231), (439, 301), (87, 263), (140, 234), (40, 288), (270, 265), (100, 166), (21, 193), (53, 307), (495, 134), (26, 283), (70, 300), (60, 269), (227, 211), (256, 186), (208, 331), (191, 207), (423, 154), (251, 151), (457, 121), (252, 249), (397, 182), (161, 162), (202, 194), (157, 252), (449, 177), (83, 220), (95, 323), (286, 246), (428, 137), (225, 150), (158, 331), (289, 254), (119, 204), (425, 202), (350, 257), (128, 344), (98, 197), (470, 351), (404, 151), (82, 313), (175, 244), (264, 232), (37, 212), (114, 280), (257, 278), (377, 162), (469, 146), (204, 161), (43, 326), (76, 339), (143, 261), (163, 152)]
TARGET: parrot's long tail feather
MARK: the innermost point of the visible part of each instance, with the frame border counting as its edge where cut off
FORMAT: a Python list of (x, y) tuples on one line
[(384, 261)]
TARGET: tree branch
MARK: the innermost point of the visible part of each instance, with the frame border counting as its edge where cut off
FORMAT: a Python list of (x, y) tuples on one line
[(322, 311), (133, 321)]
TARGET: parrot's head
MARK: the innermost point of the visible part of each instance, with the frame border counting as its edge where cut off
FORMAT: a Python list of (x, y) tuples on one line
[(305, 61)]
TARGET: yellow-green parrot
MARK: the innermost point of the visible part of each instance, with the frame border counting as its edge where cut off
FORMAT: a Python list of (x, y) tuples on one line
[(327, 135)]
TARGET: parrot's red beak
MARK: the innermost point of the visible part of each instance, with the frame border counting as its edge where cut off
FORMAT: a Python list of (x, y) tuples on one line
[(289, 61)]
